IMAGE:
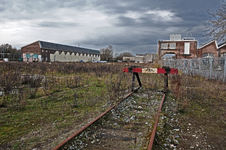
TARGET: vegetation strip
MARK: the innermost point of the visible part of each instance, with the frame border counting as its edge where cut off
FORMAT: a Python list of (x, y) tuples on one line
[(68, 139), (43, 113)]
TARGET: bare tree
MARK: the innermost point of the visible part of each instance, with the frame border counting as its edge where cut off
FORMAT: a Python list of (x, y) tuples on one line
[(124, 54), (106, 54), (5, 48), (7, 51), (216, 25)]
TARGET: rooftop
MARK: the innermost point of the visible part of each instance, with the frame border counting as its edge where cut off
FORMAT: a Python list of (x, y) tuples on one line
[(55, 46)]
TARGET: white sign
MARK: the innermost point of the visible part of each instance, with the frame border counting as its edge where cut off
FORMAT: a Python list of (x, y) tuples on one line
[(149, 70)]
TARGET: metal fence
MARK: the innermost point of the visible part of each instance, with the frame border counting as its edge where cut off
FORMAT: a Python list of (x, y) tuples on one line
[(212, 68)]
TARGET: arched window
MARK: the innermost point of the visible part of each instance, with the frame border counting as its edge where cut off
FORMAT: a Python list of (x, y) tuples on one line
[(206, 58), (208, 55)]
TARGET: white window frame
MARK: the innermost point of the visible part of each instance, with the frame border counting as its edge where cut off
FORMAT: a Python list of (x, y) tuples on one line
[(172, 45), (164, 45), (186, 48)]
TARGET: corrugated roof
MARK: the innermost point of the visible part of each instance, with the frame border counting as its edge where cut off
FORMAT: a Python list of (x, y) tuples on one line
[(222, 44), (61, 47)]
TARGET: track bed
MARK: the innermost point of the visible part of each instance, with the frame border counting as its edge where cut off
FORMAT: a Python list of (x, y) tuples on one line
[(127, 126)]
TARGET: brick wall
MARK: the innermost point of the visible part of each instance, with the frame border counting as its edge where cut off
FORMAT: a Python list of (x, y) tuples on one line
[(32, 48), (210, 48), (222, 50), (177, 48)]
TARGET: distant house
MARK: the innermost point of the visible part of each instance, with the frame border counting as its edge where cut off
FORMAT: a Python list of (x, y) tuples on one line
[(141, 58), (52, 52)]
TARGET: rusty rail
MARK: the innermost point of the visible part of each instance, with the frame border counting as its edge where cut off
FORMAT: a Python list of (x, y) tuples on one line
[(156, 124), (82, 129)]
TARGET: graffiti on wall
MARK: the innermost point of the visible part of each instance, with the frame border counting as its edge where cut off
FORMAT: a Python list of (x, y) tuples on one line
[(32, 57)]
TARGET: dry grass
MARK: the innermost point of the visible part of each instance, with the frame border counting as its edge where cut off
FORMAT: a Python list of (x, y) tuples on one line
[(201, 104), (43, 109)]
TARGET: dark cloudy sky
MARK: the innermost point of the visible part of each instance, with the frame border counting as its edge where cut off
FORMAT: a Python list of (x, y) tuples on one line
[(128, 25)]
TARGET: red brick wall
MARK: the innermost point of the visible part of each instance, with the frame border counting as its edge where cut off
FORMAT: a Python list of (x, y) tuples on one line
[(179, 51), (222, 50), (31, 48), (210, 48)]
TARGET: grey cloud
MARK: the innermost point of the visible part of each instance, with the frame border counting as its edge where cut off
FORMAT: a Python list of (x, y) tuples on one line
[(192, 12), (146, 21), (53, 24), (125, 21), (140, 34), (3, 5), (23, 9), (130, 40)]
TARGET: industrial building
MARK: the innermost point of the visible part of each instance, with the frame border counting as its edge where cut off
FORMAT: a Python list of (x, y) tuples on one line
[(42, 51), (211, 49), (186, 48)]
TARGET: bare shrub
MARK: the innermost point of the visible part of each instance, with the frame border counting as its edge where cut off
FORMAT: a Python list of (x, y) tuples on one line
[(9, 80)]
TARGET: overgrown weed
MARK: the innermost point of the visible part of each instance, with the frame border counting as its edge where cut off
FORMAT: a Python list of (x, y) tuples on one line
[(201, 102)]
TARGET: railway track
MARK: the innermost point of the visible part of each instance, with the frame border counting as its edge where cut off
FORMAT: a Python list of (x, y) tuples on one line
[(129, 124), (126, 125)]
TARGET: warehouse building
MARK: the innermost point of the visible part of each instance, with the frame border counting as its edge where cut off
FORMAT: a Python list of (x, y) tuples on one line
[(42, 51)]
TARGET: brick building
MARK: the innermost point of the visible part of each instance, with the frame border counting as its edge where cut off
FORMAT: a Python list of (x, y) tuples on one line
[(52, 52), (209, 49), (222, 49), (186, 48)]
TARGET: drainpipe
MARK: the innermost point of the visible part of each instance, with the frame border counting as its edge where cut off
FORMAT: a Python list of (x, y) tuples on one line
[(159, 50), (197, 53), (197, 50), (218, 52)]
